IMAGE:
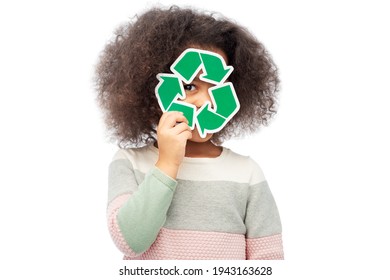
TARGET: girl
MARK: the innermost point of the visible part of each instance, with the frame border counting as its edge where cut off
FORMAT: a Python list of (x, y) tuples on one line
[(173, 194)]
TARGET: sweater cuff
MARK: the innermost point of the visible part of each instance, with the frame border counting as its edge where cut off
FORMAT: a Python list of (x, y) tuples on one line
[(164, 178)]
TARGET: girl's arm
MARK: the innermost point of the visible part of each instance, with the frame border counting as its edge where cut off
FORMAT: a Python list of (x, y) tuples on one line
[(136, 217), (137, 213)]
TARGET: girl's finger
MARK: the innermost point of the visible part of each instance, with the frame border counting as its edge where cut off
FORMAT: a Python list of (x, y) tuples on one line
[(172, 118), (187, 134), (179, 128)]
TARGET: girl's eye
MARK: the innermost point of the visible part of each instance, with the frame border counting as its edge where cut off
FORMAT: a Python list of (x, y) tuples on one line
[(189, 87)]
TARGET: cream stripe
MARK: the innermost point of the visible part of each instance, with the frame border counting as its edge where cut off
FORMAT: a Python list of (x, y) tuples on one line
[(227, 167)]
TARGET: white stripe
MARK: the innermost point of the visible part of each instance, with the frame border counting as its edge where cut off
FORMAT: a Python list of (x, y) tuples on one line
[(229, 166)]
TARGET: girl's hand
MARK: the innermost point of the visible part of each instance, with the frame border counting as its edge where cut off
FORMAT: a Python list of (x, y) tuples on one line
[(172, 135)]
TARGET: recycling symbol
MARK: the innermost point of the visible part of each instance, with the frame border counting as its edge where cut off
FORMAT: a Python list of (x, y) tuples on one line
[(210, 118)]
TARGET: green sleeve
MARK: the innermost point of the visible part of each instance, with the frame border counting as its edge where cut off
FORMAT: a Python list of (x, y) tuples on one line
[(142, 216)]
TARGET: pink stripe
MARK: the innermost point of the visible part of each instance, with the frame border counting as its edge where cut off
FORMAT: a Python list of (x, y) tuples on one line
[(265, 248), (113, 227), (195, 245)]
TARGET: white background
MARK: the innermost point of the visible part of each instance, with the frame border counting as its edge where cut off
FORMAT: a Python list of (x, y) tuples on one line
[(326, 154)]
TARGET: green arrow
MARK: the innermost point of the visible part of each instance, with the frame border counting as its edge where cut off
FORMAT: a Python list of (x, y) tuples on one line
[(208, 120), (168, 89), (185, 68), (215, 68), (187, 65), (187, 109), (225, 100)]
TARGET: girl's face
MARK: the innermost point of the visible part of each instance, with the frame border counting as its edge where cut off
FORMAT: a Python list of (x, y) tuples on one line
[(197, 94)]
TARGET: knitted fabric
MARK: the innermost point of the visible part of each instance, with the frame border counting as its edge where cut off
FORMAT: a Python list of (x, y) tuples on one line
[(231, 215)]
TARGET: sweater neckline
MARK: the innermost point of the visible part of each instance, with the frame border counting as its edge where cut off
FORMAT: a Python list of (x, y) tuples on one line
[(223, 154)]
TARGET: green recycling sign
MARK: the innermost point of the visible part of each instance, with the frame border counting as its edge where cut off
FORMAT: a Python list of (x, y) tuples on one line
[(210, 118)]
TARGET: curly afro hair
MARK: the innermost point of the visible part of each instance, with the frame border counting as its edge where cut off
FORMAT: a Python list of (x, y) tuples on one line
[(127, 67)]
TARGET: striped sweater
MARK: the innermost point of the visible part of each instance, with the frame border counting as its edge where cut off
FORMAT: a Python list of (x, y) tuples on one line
[(217, 208)]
